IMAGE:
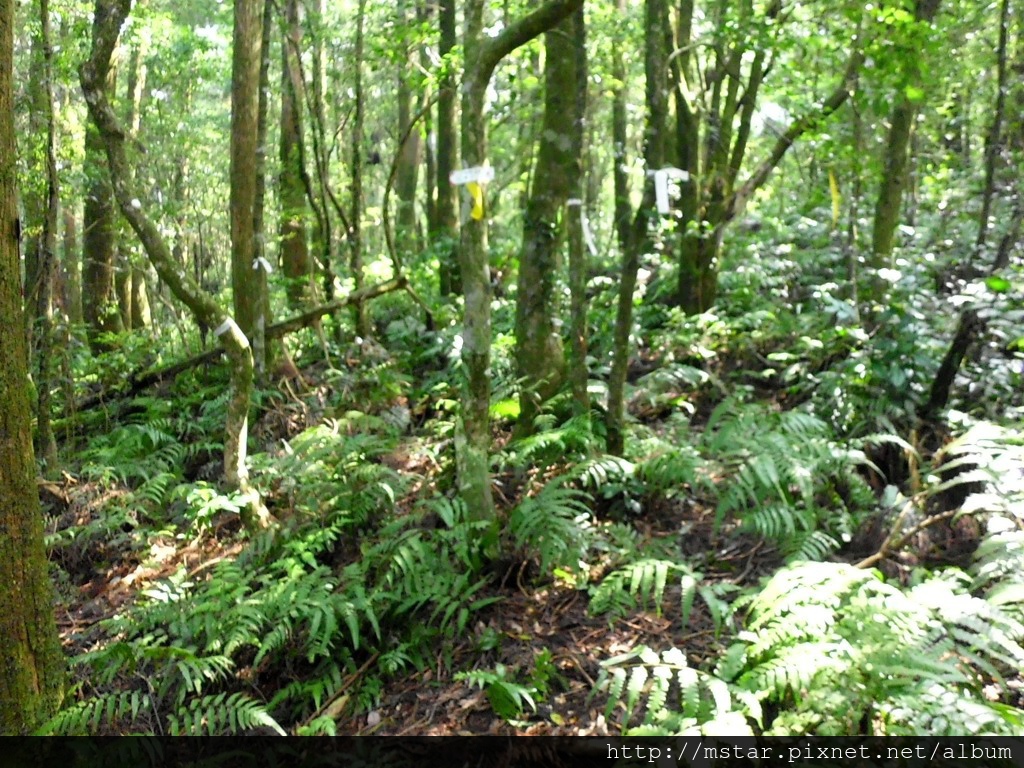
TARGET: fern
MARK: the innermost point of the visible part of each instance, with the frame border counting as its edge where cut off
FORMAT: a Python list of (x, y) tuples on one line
[(508, 698), (554, 524), (786, 486), (115, 711), (672, 697), (644, 582), (222, 714), (835, 647)]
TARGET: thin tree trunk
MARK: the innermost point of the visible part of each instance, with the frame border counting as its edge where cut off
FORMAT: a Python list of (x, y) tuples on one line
[(409, 158), (896, 163), (264, 354), (31, 674), (446, 236), (994, 141), (578, 333), (355, 231), (108, 17), (72, 267), (46, 445), (656, 75), (620, 177)]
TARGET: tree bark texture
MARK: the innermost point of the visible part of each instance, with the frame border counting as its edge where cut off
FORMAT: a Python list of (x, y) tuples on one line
[(355, 229), (578, 327), (31, 668), (245, 79), (539, 355), (46, 445), (99, 246), (292, 227)]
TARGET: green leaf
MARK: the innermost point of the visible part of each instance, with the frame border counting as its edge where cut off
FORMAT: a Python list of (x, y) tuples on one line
[(997, 284)]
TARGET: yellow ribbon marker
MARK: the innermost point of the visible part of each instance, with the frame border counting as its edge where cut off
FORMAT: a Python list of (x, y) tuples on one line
[(837, 199), (477, 193), (474, 179)]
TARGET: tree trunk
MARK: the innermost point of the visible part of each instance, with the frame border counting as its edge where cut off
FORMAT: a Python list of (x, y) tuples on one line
[(409, 159), (72, 268), (31, 673), (994, 142), (482, 55), (264, 354), (620, 178), (896, 163), (142, 316), (292, 227), (446, 236), (539, 356), (656, 75), (578, 332), (108, 18), (355, 230), (245, 80), (99, 249)]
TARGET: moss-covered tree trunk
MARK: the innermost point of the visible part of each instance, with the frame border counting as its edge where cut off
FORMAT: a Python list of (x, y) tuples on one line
[(46, 444), (108, 18), (246, 270), (31, 667), (482, 55), (99, 245), (539, 355), (292, 227), (896, 162)]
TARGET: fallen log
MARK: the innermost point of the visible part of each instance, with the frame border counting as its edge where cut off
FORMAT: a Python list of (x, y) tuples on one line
[(137, 382)]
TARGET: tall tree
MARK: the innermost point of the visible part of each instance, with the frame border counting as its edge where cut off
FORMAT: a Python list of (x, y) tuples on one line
[(539, 355), (355, 229), (47, 262), (292, 227), (656, 54), (482, 55), (575, 212), (129, 278), (446, 230), (994, 140), (896, 162), (715, 105), (407, 172), (245, 82), (31, 674)]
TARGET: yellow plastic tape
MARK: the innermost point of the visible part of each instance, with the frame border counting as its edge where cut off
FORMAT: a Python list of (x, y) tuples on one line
[(477, 193), (833, 187)]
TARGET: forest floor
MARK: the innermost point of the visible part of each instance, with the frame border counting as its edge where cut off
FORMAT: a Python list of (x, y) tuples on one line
[(528, 618)]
